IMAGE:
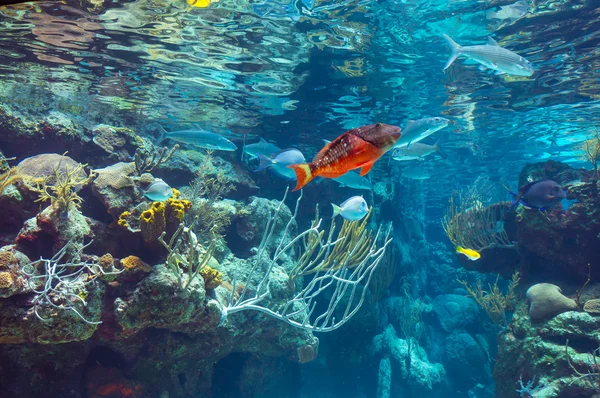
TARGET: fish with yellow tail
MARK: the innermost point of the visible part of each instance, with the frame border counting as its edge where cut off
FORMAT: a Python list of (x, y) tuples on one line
[(471, 254), (200, 3), (358, 148)]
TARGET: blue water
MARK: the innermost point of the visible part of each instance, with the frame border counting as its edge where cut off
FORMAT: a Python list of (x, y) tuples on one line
[(296, 73)]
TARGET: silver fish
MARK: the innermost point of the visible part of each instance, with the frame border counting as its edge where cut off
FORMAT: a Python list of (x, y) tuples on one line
[(491, 56), (353, 209), (200, 138), (510, 11), (158, 191), (416, 151), (353, 180), (261, 147), (416, 130)]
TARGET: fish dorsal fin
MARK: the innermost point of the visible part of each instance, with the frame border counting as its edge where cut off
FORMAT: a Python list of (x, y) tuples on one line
[(321, 153), (262, 140), (326, 141), (492, 42), (526, 187)]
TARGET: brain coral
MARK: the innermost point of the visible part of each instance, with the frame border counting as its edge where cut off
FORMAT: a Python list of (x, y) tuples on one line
[(547, 301), (6, 280)]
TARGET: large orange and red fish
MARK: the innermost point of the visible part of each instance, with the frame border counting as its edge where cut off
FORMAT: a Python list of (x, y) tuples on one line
[(355, 149)]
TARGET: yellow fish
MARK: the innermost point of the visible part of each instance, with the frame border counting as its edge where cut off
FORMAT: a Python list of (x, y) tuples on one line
[(471, 254), (199, 3)]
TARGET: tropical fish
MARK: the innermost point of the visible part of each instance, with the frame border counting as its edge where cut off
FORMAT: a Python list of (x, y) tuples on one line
[(491, 56), (278, 162), (416, 151), (199, 138), (201, 3), (358, 148), (415, 174), (416, 130), (158, 191), (353, 209), (353, 180), (510, 11), (541, 194), (261, 147), (471, 254)]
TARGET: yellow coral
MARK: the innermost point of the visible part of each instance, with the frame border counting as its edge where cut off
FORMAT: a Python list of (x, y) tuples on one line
[(152, 222), (6, 280), (178, 207), (134, 263), (176, 194), (106, 262), (6, 258), (123, 219), (212, 277)]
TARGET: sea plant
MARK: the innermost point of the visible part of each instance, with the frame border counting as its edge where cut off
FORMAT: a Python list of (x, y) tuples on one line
[(61, 285), (63, 193), (493, 301), (207, 188), (473, 222), (592, 374), (338, 286), (590, 151), (186, 257), (147, 161), (352, 244)]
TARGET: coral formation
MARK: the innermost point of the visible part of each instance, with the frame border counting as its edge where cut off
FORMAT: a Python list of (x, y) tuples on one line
[(212, 277), (546, 300), (152, 222)]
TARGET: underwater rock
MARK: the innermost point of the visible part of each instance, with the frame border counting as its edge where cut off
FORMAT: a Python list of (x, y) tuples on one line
[(592, 307), (417, 376), (115, 188), (454, 311), (27, 135), (49, 370), (560, 244), (540, 351), (547, 301), (19, 323), (117, 143), (159, 302), (248, 228), (12, 278), (465, 361), (44, 166)]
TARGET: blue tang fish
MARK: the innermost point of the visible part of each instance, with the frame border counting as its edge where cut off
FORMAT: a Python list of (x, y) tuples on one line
[(278, 162), (158, 191), (541, 194), (353, 209)]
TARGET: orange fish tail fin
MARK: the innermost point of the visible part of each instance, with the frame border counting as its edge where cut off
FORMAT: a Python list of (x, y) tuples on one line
[(304, 174)]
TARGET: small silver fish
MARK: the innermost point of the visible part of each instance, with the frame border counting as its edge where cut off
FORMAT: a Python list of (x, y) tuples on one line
[(416, 151), (353, 180), (261, 147), (353, 209), (416, 130), (510, 11), (158, 191), (491, 56), (200, 138)]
